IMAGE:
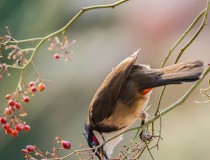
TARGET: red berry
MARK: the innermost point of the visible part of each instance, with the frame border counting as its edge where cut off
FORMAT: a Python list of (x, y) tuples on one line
[(41, 87), (6, 126), (56, 56), (18, 105), (26, 99), (8, 110), (33, 89), (14, 133), (32, 83), (19, 126), (24, 151), (8, 131), (0, 77), (3, 120), (30, 148), (27, 128), (8, 96), (11, 102), (66, 144)]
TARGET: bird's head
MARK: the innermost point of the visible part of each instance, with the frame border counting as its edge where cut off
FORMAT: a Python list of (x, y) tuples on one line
[(94, 142)]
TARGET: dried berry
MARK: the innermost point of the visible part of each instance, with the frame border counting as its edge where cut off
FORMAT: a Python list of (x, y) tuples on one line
[(57, 56), (8, 131), (11, 102), (15, 133), (8, 96), (24, 151), (26, 99), (32, 83), (41, 87), (66, 144), (8, 110), (27, 128), (3, 120), (30, 148), (19, 126), (6, 126), (17, 105), (33, 89)]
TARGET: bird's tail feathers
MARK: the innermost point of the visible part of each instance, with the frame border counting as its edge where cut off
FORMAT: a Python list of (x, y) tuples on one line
[(188, 71)]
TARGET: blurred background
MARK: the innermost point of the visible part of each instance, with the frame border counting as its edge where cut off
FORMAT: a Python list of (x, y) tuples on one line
[(104, 38)]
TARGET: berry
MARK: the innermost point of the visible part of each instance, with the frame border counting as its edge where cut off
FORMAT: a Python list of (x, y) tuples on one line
[(14, 133), (33, 89), (30, 148), (24, 151), (26, 99), (6, 126), (66, 144), (11, 102), (8, 96), (32, 83), (8, 110), (27, 128), (0, 77), (18, 105), (41, 87), (3, 120), (56, 56), (8, 131), (19, 126)]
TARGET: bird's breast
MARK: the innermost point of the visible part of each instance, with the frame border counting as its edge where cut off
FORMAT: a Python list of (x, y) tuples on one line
[(123, 116)]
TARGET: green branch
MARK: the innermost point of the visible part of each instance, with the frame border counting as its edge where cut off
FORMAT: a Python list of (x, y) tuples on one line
[(62, 30), (205, 13), (204, 22)]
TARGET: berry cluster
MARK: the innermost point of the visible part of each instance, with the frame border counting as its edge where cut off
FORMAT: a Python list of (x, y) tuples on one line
[(13, 127), (33, 87), (17, 58), (63, 47), (31, 152), (11, 123)]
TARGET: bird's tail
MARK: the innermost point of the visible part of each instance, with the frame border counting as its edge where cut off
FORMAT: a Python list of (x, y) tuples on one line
[(188, 71)]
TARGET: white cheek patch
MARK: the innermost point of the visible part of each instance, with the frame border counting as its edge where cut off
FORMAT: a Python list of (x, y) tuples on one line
[(109, 146)]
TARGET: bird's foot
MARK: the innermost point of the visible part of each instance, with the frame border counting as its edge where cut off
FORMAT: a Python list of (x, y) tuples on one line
[(146, 136), (144, 117)]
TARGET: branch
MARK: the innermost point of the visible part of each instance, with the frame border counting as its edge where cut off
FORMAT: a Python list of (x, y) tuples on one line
[(62, 30), (203, 13)]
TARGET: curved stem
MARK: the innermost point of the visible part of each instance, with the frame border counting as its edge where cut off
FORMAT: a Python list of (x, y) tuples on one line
[(196, 34), (20, 80), (63, 29), (26, 40), (203, 13)]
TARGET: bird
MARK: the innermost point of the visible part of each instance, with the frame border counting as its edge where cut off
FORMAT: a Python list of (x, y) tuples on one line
[(123, 95)]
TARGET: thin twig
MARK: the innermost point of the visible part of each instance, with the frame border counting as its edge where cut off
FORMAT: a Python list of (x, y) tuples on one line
[(206, 10), (203, 13), (150, 153)]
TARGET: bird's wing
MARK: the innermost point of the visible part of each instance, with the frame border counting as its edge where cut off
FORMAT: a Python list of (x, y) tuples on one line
[(107, 94)]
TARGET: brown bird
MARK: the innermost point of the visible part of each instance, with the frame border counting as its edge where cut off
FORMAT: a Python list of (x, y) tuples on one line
[(123, 96)]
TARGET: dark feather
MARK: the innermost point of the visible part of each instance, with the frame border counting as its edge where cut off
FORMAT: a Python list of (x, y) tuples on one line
[(106, 96)]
